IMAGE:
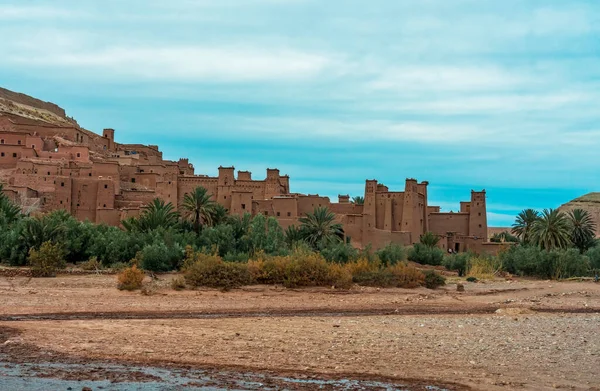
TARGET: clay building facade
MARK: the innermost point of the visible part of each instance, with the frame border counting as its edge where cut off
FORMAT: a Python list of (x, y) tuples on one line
[(97, 179)]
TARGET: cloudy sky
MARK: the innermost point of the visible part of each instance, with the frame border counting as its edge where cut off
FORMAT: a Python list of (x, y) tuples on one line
[(467, 94)]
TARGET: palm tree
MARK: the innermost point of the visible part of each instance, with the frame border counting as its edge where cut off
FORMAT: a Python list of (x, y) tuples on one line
[(198, 207), (583, 229), (524, 224), (429, 239), (358, 200), (9, 212), (319, 228), (155, 215), (551, 230), (218, 215)]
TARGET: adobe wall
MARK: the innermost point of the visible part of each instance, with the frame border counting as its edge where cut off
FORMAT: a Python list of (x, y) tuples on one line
[(441, 223)]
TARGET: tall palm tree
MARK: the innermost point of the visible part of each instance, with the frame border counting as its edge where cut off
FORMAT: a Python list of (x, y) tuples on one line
[(552, 230), (524, 224), (198, 207), (319, 228), (358, 200), (583, 229)]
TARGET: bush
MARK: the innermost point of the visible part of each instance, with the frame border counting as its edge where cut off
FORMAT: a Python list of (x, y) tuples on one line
[(593, 255), (306, 269), (555, 264), (119, 266), (339, 252), (484, 267), (434, 279), (340, 276), (391, 254), (426, 255), (178, 283), (211, 271), (130, 279), (472, 279), (160, 258), (458, 262), (397, 276), (47, 260), (91, 265)]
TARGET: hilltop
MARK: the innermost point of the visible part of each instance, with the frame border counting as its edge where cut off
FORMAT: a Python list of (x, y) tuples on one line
[(589, 202)]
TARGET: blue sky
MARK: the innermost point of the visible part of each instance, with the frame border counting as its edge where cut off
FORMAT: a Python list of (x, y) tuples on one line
[(467, 94)]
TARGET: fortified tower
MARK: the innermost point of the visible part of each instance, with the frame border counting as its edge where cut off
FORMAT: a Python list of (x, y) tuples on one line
[(272, 184), (478, 215), (225, 185), (370, 205), (109, 134)]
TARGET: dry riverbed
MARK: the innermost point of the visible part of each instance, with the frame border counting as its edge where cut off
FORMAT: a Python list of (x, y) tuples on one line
[(498, 335)]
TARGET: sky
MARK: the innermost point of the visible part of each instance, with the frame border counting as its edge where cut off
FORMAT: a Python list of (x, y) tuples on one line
[(466, 94)]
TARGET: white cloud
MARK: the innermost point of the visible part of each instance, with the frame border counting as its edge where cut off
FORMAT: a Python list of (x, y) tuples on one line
[(174, 63)]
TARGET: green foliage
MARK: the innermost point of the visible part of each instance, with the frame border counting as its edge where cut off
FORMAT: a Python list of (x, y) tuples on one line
[(552, 230), (429, 239), (358, 200), (157, 214), (504, 237), (583, 229), (433, 279), (199, 208), (458, 262), (523, 226), (391, 254), (553, 264), (91, 265), (47, 260), (426, 255), (293, 235), (158, 257), (9, 212), (472, 279), (319, 228), (339, 252), (397, 276), (593, 255)]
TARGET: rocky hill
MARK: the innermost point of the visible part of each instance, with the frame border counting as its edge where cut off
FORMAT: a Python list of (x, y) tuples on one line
[(589, 202), (28, 107)]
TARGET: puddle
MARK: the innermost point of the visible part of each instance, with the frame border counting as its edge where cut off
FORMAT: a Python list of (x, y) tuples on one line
[(109, 377)]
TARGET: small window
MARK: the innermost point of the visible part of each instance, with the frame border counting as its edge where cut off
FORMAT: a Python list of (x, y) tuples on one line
[(2, 141), (14, 155), (62, 184), (479, 225), (224, 197), (169, 182), (2, 154), (77, 204), (48, 172), (132, 180), (243, 206), (106, 186), (32, 146), (289, 214), (78, 154), (479, 213), (19, 142), (278, 214), (61, 202), (104, 206), (90, 174), (266, 213)]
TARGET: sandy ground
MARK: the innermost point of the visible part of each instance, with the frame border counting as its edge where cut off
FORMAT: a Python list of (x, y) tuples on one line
[(503, 335)]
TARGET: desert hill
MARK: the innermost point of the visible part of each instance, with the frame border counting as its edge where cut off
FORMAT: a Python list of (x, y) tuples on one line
[(589, 202)]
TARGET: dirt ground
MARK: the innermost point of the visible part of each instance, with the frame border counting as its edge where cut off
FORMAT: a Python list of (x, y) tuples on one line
[(497, 335)]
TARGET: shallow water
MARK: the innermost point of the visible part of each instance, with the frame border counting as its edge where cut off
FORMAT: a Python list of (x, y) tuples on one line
[(57, 376)]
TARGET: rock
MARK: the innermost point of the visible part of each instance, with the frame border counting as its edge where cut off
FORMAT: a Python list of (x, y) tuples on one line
[(460, 287)]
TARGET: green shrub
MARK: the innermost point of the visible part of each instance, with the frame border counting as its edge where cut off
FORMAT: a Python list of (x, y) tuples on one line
[(391, 254), (472, 279), (593, 255), (339, 252), (426, 255), (458, 262), (160, 258), (236, 257), (47, 260), (555, 264), (434, 279)]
